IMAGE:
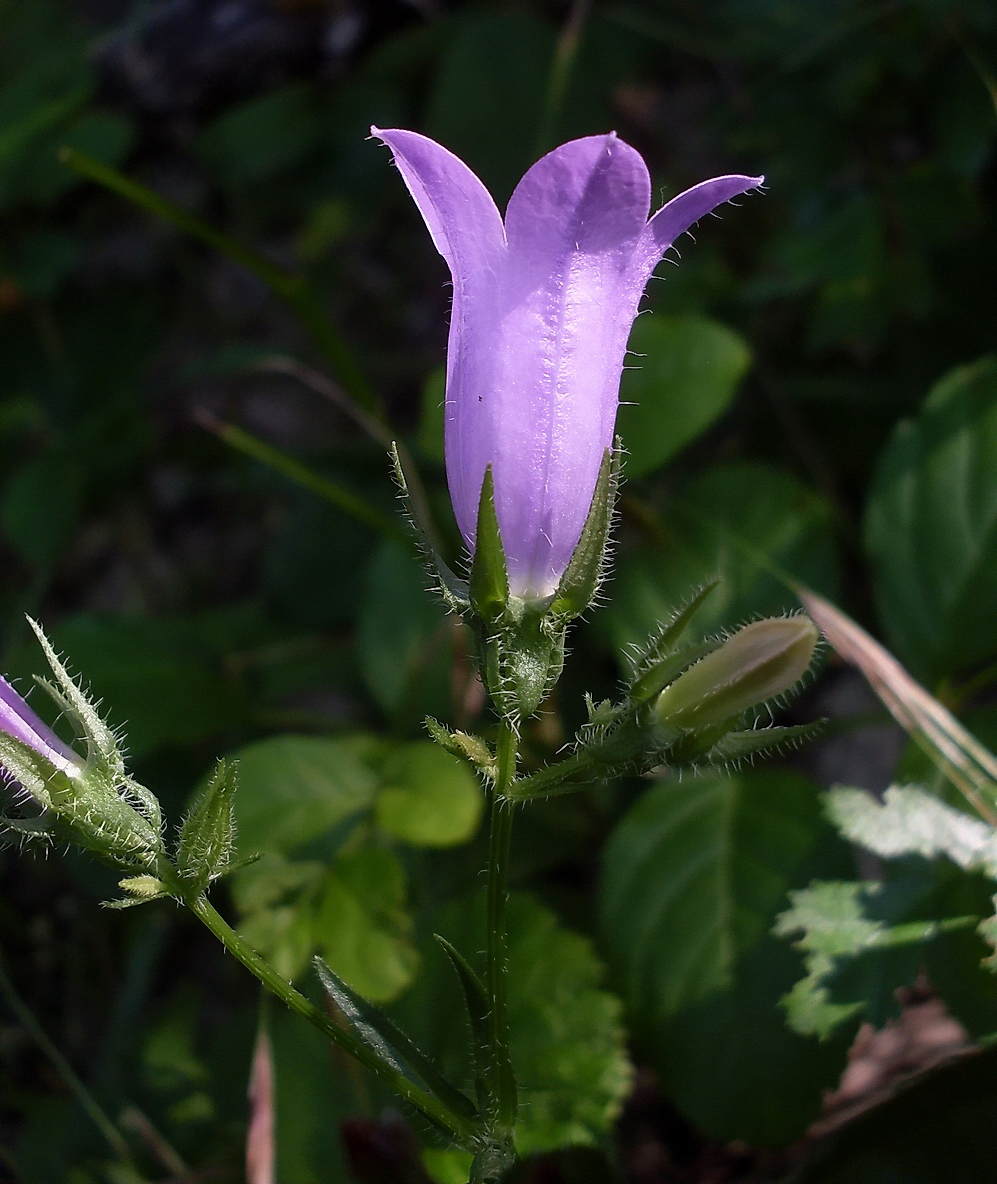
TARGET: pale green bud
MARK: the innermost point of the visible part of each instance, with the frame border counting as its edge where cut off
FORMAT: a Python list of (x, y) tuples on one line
[(759, 662)]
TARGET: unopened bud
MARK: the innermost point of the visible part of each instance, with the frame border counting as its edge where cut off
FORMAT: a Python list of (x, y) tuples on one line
[(759, 662)]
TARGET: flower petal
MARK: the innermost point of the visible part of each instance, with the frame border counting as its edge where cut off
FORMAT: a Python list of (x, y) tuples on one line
[(675, 217), (466, 229), (572, 226), (18, 720)]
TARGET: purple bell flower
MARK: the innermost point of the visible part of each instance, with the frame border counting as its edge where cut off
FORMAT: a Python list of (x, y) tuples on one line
[(18, 720), (542, 309)]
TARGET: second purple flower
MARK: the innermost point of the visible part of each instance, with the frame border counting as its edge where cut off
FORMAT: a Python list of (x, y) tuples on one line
[(542, 308)]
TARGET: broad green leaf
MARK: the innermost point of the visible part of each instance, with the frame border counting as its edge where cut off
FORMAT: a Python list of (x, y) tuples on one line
[(909, 821), (295, 789), (41, 506), (263, 136), (428, 798), (737, 522), (684, 375), (404, 637), (931, 529), (567, 1041), (156, 678), (361, 927), (693, 878)]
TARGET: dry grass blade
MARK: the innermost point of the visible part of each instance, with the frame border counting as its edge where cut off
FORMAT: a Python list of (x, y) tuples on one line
[(970, 766)]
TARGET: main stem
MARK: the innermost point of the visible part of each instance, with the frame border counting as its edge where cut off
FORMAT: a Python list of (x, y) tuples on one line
[(463, 1131), (503, 1080)]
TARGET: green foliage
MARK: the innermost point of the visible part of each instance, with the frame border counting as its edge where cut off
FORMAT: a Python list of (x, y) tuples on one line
[(403, 637), (429, 798), (684, 375), (931, 526), (743, 523), (694, 876), (567, 1040)]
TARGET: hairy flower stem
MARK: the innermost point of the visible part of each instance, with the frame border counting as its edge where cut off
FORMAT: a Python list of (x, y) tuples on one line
[(503, 1081), (463, 1131)]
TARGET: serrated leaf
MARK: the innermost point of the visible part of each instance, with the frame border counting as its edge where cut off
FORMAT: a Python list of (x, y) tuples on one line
[(931, 528), (693, 878), (835, 923), (910, 821), (429, 798)]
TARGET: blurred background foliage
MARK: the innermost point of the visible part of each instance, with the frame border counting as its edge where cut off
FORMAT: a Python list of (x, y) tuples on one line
[(212, 540)]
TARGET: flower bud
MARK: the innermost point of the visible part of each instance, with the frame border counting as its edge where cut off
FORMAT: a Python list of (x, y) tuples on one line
[(760, 661)]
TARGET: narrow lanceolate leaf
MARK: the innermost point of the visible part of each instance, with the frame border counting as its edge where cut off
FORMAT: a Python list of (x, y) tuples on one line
[(652, 682), (663, 642), (970, 766), (587, 566), (452, 587), (207, 837), (388, 1042), (476, 1000), (489, 585), (740, 746), (101, 740), (910, 821)]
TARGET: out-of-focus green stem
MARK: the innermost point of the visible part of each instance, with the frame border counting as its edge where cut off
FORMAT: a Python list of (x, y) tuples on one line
[(95, 1112), (291, 286), (463, 1131), (300, 474), (501, 1074), (565, 53)]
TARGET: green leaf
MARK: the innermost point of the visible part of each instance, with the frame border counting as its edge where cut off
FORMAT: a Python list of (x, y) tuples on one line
[(694, 876), (295, 789), (377, 1031), (835, 922), (737, 522), (207, 836), (910, 821), (495, 61), (361, 926), (429, 798), (404, 638), (40, 507), (567, 1042), (585, 571), (262, 137), (931, 528), (685, 375), (431, 421), (489, 583)]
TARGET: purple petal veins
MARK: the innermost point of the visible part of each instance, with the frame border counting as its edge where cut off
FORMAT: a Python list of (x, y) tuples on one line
[(18, 720), (542, 309)]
